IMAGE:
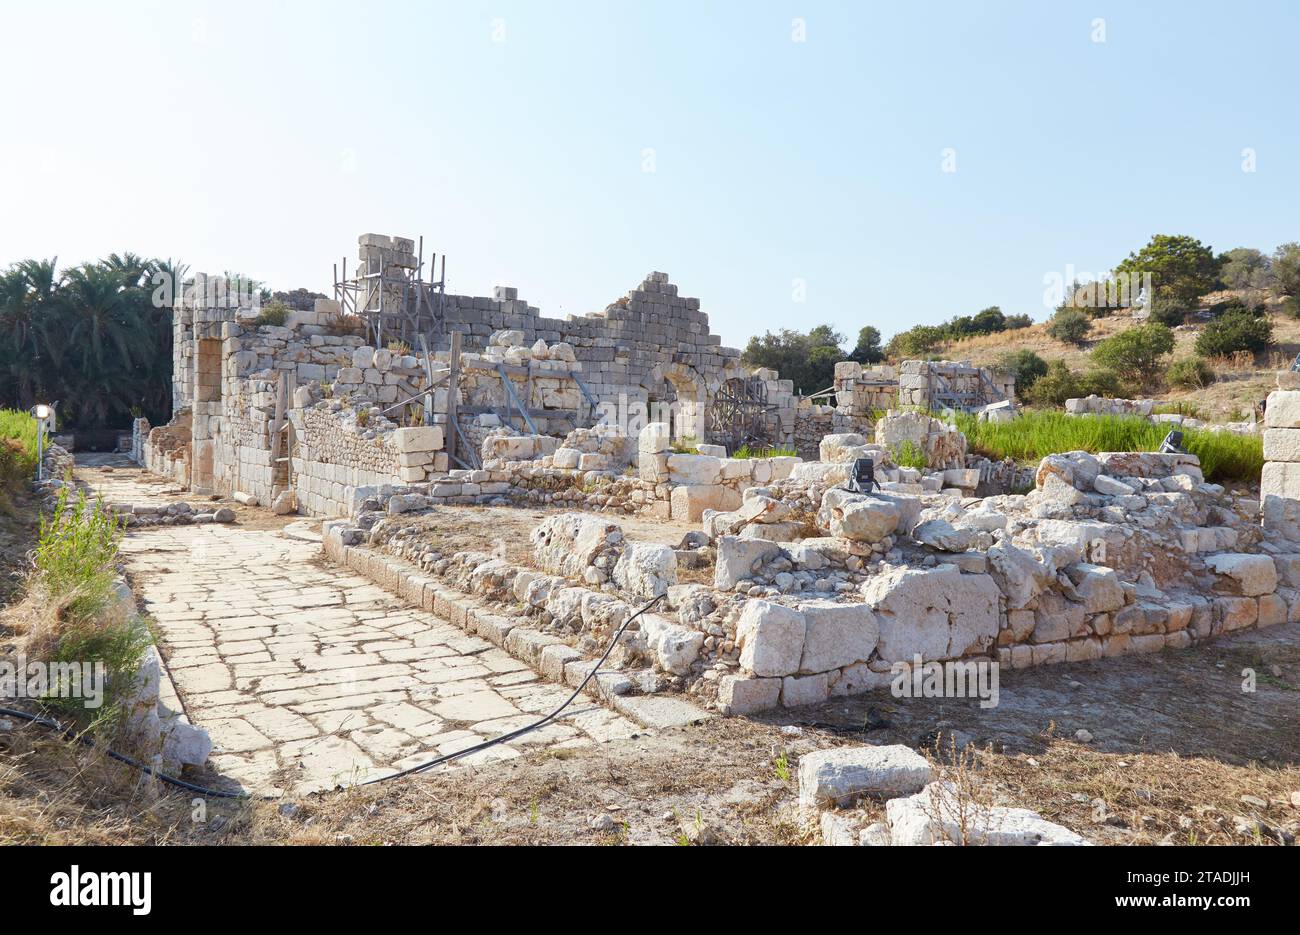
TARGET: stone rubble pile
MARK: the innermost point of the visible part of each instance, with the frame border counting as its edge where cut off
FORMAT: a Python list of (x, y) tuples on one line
[(919, 809)]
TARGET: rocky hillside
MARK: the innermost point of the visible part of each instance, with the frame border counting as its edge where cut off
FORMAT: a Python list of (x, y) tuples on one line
[(1241, 383)]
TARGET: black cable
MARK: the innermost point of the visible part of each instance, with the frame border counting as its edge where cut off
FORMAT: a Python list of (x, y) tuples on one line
[(69, 733), (511, 735)]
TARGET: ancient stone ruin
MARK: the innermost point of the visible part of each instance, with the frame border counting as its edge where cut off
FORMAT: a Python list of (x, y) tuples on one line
[(782, 582)]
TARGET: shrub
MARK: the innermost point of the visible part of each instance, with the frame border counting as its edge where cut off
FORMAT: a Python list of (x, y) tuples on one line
[(1167, 311), (908, 454), (1069, 325), (1191, 372), (1098, 382), (1136, 354), (1054, 387), (1034, 435), (1286, 269), (1025, 366), (274, 312), (1235, 330), (17, 453), (80, 618), (75, 555)]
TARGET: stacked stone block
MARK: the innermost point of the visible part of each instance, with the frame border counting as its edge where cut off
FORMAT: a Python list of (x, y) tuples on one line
[(1279, 486), (918, 379)]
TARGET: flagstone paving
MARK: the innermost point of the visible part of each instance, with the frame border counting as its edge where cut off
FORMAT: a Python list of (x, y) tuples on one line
[(307, 676)]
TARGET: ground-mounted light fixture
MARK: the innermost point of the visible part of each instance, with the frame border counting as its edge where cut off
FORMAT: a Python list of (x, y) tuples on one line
[(863, 479), (43, 413)]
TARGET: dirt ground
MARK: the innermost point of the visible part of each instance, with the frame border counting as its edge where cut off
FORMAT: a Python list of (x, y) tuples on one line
[(1179, 755)]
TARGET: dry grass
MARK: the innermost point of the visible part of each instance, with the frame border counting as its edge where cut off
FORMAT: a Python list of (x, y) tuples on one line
[(1149, 798), (1243, 380)]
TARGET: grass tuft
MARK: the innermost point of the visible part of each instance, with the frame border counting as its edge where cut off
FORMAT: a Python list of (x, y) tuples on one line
[(1034, 435)]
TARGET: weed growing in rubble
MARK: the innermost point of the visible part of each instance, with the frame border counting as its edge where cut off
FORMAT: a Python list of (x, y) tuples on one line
[(17, 452), (765, 451), (273, 313), (73, 613), (75, 555), (909, 454), (1224, 456), (782, 766)]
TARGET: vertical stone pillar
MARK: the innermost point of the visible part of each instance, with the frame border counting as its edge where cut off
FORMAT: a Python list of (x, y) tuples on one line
[(1279, 485)]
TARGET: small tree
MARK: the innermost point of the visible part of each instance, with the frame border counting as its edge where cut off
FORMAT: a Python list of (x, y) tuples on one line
[(1233, 331), (1025, 366), (1181, 267), (1137, 354), (1286, 269), (914, 342), (1054, 387), (1245, 268), (867, 350), (1069, 325)]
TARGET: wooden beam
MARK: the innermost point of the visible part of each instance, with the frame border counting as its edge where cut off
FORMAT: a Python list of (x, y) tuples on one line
[(453, 384)]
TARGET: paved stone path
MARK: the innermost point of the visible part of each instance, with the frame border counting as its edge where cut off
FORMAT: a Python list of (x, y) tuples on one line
[(307, 676)]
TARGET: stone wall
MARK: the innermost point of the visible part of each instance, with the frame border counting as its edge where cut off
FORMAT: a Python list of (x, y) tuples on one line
[(1120, 553), (861, 391), (652, 346), (931, 384), (1279, 486)]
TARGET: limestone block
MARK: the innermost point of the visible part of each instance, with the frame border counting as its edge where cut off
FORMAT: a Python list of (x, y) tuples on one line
[(1282, 445), (798, 690), (363, 358), (859, 517), (688, 502), (736, 557), (1242, 574), (646, 569), (569, 543), (417, 438), (834, 448), (1280, 479), (739, 694), (349, 374), (566, 457), (837, 635), (675, 646), (840, 775), (1099, 587), (771, 637), (966, 478), (937, 613), (654, 438), (694, 469), (1282, 410), (939, 814)]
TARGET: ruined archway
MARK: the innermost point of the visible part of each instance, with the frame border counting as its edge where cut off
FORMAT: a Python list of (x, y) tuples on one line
[(687, 390)]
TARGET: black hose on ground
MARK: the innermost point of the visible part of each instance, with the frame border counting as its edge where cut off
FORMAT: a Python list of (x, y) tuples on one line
[(69, 733)]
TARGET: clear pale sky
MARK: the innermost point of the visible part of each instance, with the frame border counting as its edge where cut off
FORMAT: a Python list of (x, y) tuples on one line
[(265, 137)]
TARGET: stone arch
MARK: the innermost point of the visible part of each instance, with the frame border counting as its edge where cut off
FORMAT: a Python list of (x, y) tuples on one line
[(690, 396)]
